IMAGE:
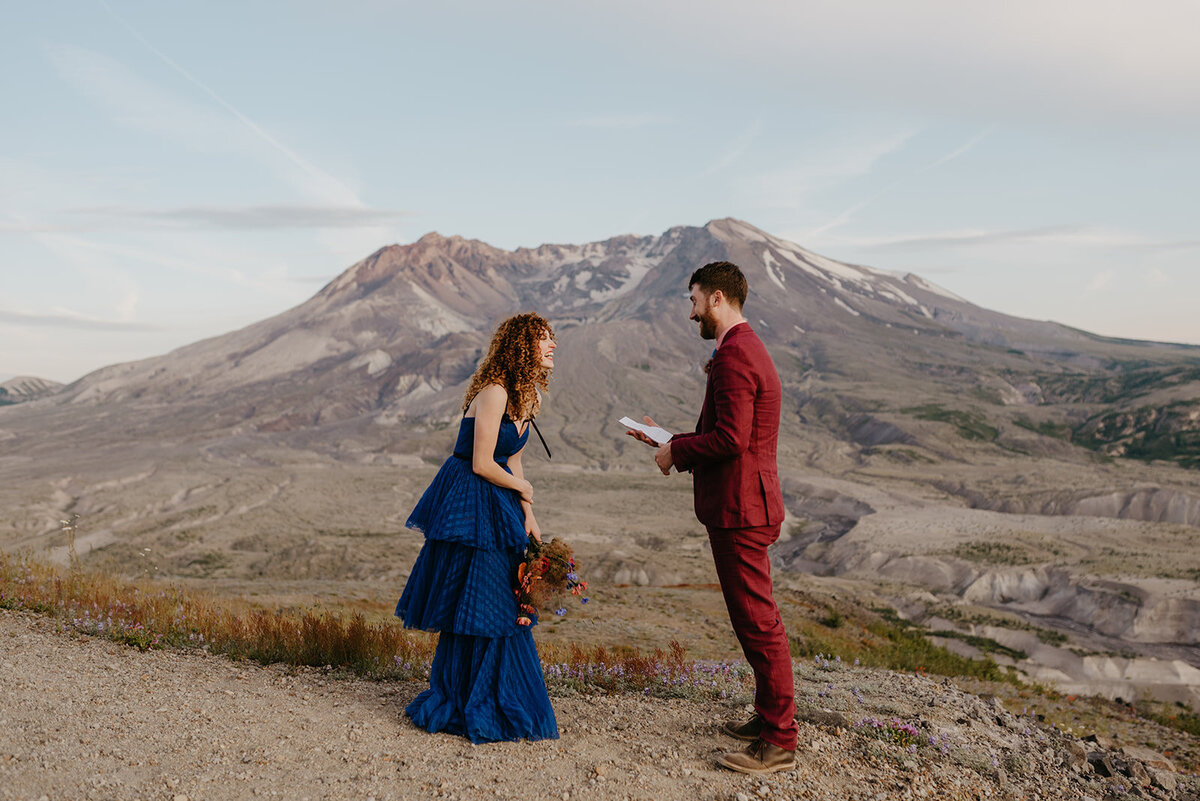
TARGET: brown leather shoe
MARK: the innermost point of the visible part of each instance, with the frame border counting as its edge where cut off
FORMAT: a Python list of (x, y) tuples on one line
[(747, 729), (759, 757)]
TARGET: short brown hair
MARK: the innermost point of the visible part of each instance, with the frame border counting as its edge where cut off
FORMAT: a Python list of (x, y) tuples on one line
[(725, 276)]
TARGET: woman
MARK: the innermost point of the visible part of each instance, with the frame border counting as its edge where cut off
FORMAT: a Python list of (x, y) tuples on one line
[(486, 682)]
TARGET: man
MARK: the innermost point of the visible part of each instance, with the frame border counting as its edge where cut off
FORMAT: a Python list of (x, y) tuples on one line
[(736, 484)]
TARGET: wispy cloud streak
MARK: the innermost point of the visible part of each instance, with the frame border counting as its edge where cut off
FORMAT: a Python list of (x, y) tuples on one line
[(619, 121), (70, 320), (737, 148), (847, 215), (329, 183), (958, 151), (245, 218), (1073, 235)]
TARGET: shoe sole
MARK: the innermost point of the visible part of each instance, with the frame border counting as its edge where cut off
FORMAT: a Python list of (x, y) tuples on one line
[(752, 772)]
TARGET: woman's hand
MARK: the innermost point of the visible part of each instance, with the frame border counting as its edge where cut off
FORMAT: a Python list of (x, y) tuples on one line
[(526, 490), (532, 528)]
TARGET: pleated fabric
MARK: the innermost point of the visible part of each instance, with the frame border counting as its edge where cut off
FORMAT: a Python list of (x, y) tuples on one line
[(486, 689), (486, 682)]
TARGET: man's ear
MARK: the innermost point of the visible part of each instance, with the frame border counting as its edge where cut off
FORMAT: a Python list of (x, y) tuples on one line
[(717, 297)]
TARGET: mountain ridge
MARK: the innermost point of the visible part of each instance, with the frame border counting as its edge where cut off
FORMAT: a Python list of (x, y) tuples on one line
[(917, 431)]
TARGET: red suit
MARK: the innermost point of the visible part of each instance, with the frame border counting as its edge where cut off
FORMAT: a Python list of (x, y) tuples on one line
[(737, 497)]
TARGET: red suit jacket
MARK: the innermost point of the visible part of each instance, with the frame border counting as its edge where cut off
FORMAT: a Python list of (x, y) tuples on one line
[(732, 452)]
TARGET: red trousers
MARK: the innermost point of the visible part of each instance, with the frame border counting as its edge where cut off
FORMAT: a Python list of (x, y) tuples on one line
[(740, 555)]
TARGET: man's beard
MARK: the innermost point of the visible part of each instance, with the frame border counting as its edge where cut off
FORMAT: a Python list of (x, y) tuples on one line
[(708, 327)]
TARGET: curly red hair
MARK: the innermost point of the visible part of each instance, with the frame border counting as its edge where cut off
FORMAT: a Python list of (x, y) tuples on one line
[(514, 362)]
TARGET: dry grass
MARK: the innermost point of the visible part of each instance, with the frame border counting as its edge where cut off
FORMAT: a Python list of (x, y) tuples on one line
[(150, 614)]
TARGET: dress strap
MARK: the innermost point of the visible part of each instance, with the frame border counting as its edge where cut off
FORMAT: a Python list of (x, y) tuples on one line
[(543, 439)]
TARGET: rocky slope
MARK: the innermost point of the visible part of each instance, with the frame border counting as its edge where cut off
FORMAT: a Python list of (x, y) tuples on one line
[(83, 718)]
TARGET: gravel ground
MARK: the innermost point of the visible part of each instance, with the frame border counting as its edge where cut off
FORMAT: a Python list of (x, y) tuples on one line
[(84, 718)]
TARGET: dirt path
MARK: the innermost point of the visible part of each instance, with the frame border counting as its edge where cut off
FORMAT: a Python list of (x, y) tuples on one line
[(86, 718)]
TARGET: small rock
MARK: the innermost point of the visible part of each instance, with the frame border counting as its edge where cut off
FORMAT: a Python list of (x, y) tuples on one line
[(1163, 779), (741, 797), (600, 770), (1138, 772), (1102, 764), (1152, 758), (1076, 756), (180, 797)]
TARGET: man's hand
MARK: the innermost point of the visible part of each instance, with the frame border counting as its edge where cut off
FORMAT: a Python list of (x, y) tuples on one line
[(640, 436), (664, 460)]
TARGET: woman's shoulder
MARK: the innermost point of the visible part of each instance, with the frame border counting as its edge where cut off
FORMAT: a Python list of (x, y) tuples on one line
[(489, 395), (492, 391)]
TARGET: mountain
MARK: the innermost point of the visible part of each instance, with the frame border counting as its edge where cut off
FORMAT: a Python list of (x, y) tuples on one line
[(955, 461), (395, 337), (24, 388)]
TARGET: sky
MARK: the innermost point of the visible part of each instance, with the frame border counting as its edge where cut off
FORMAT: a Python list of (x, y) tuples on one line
[(174, 171)]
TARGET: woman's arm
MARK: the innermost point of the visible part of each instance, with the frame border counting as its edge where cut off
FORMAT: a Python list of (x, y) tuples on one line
[(490, 404), (531, 525)]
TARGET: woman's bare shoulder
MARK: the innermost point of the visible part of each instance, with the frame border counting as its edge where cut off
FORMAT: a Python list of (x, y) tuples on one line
[(490, 396)]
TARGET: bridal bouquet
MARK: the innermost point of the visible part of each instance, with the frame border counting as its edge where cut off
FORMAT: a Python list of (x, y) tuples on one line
[(546, 577)]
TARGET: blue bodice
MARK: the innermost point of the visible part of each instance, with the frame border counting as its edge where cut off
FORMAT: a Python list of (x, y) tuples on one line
[(508, 441)]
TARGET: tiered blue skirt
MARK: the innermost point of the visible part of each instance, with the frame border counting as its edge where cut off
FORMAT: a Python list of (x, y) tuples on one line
[(486, 682)]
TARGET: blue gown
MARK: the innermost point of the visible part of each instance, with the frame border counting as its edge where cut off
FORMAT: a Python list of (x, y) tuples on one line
[(486, 682)]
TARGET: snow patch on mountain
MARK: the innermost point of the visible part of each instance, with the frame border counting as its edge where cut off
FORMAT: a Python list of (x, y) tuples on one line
[(898, 295), (376, 361), (845, 306), (746, 231), (917, 280), (437, 319), (774, 271), (638, 267)]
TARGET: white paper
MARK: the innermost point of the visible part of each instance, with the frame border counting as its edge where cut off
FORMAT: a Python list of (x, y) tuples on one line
[(659, 435)]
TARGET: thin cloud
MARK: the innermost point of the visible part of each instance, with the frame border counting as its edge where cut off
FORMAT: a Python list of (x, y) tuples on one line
[(328, 185), (263, 217), (74, 321), (826, 166), (1158, 278), (961, 150), (737, 148), (1073, 235), (619, 121), (1071, 62), (848, 214), (1101, 281)]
